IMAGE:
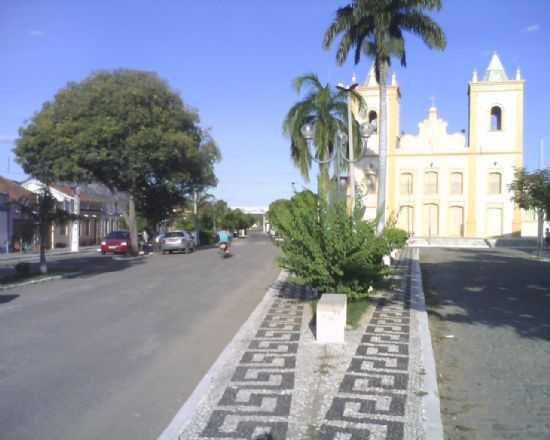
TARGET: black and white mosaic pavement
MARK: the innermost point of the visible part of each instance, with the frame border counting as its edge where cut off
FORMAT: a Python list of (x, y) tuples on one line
[(258, 397), (275, 379), (371, 401)]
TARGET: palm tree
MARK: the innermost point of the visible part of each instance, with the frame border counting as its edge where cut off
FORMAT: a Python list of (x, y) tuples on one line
[(326, 110), (375, 28)]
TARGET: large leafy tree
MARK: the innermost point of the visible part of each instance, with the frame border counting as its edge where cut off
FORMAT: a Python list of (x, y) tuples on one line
[(127, 129), (531, 190), (326, 110), (376, 28)]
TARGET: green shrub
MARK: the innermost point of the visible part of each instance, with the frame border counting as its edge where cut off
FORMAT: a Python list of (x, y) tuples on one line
[(22, 269), (327, 248), (396, 238), (207, 237)]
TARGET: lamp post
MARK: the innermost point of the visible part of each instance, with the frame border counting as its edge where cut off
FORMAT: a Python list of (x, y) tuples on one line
[(308, 132), (75, 230), (348, 90), (366, 131)]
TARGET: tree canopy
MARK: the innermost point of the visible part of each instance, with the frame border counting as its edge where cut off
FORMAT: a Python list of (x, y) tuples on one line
[(326, 109), (532, 190), (376, 28), (127, 129)]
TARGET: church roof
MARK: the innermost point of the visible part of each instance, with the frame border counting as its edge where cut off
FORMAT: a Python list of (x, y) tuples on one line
[(495, 71)]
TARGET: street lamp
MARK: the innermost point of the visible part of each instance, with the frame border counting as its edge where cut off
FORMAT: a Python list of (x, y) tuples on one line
[(366, 131), (348, 90), (308, 131)]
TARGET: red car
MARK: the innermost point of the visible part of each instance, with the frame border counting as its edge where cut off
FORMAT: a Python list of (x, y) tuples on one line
[(117, 242)]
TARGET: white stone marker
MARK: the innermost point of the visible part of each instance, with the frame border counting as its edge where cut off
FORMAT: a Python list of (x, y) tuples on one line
[(331, 318)]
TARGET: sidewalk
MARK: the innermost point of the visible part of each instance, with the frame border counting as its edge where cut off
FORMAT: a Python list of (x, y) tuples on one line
[(273, 378), (35, 255)]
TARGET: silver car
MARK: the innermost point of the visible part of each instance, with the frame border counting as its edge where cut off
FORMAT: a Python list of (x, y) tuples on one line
[(177, 241)]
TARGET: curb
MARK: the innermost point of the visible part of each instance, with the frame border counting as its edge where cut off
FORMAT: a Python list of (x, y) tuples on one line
[(431, 411), (184, 415), (40, 280), (32, 256)]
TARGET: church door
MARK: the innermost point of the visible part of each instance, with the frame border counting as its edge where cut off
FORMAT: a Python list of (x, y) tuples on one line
[(431, 220), (494, 222), (456, 221), (405, 220)]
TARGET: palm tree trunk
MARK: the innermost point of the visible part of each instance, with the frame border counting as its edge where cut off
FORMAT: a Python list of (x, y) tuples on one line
[(382, 149), (324, 179)]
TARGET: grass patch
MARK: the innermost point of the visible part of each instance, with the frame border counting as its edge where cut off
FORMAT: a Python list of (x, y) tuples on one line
[(356, 310)]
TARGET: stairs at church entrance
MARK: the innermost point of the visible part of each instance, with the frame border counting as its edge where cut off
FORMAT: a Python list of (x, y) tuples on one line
[(457, 242)]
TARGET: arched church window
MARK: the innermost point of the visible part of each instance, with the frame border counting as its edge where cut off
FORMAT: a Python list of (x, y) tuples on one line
[(406, 183), (430, 183), (495, 183), (456, 183), (496, 118)]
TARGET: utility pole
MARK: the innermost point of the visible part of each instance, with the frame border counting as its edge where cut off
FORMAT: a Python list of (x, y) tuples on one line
[(195, 219), (75, 231), (540, 232), (348, 90)]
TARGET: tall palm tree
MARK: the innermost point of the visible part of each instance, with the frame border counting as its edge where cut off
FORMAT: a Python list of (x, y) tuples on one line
[(375, 28), (326, 110)]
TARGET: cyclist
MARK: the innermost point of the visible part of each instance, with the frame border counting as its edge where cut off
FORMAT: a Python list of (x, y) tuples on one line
[(224, 241)]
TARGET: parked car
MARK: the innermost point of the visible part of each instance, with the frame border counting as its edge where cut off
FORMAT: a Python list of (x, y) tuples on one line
[(177, 241), (116, 242)]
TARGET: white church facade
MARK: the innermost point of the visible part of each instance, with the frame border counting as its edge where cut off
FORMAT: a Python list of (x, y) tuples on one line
[(442, 184)]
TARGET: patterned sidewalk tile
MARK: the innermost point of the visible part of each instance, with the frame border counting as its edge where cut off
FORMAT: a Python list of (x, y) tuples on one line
[(283, 384)]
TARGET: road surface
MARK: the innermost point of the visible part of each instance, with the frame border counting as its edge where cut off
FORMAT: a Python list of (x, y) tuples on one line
[(114, 353), (489, 315)]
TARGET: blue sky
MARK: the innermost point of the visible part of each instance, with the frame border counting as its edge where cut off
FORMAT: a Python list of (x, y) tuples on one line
[(234, 61)]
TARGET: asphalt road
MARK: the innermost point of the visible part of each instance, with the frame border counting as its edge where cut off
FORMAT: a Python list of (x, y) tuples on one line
[(114, 353), (489, 314)]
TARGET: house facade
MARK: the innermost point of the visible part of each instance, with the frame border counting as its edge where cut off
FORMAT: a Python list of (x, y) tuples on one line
[(100, 211), (15, 227), (442, 184)]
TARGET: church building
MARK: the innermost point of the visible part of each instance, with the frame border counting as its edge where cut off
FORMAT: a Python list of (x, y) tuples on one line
[(442, 184)]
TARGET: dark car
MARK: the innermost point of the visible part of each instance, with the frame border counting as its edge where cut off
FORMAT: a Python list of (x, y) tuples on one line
[(117, 242)]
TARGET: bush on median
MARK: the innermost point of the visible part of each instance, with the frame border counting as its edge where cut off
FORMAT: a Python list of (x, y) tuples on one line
[(329, 249)]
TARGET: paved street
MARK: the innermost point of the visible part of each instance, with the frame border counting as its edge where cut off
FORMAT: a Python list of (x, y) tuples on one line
[(115, 352), (490, 323)]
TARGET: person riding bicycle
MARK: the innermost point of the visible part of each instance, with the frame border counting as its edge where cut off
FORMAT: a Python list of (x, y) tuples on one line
[(224, 240)]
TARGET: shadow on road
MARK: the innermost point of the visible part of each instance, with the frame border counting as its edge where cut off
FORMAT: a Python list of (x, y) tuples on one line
[(7, 298), (76, 267), (489, 287)]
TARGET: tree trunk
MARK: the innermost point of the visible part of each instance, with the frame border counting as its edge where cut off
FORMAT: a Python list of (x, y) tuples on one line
[(44, 231), (382, 149), (132, 226)]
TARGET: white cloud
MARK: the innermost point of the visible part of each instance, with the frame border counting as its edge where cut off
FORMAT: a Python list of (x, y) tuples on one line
[(532, 28), (36, 33)]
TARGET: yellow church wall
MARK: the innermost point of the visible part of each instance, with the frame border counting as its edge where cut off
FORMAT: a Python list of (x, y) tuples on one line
[(433, 149)]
